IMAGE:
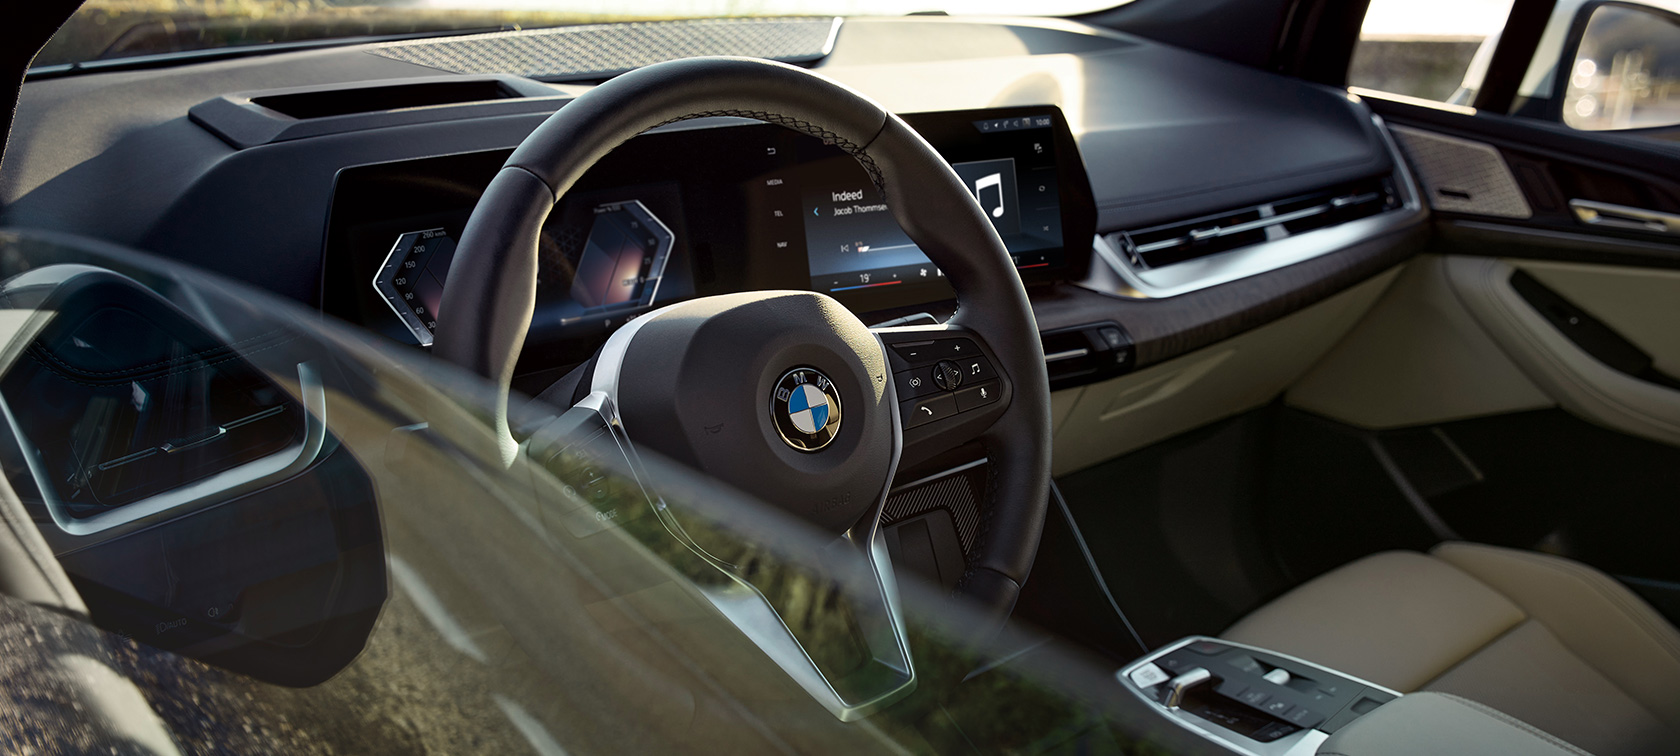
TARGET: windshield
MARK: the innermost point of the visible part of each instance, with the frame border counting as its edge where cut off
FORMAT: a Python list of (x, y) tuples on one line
[(114, 29)]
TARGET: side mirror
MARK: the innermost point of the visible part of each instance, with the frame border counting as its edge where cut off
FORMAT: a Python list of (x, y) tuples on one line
[(1625, 70)]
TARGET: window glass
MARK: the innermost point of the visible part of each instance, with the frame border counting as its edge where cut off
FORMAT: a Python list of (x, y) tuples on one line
[(260, 531), (1430, 49)]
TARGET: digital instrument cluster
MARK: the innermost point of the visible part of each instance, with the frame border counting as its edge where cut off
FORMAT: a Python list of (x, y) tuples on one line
[(706, 208), (617, 266)]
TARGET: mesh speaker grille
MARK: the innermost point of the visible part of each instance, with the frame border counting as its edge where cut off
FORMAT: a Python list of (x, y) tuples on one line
[(1461, 176), (954, 494), (597, 51)]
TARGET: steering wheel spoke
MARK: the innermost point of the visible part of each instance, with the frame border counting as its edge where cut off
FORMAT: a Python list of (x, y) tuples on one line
[(853, 656)]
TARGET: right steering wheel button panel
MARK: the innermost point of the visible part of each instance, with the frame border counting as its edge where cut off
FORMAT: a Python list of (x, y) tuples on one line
[(941, 378)]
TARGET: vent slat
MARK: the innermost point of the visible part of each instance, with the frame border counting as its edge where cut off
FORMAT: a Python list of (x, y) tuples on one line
[(1166, 244)]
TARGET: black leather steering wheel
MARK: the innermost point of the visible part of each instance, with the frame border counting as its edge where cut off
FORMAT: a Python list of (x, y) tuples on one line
[(703, 372)]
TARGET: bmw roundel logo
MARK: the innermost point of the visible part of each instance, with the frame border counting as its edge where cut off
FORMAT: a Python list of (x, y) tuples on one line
[(806, 409)]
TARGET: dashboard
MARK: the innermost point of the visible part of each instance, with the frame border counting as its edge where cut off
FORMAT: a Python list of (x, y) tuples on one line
[(706, 208), (365, 156)]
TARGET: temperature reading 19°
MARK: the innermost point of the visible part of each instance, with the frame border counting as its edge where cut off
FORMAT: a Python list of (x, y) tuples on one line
[(411, 279)]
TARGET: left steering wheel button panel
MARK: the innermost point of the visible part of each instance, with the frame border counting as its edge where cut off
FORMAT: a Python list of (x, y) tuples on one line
[(923, 411)]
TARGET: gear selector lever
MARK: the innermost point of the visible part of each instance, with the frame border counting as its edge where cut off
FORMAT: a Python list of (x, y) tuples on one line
[(1178, 687)]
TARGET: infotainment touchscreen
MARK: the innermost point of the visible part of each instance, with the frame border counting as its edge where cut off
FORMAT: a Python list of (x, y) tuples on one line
[(853, 243)]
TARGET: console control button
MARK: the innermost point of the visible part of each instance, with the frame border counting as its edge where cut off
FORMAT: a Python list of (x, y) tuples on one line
[(1254, 697), (1303, 716), (1228, 719), (1273, 731), (1112, 338), (924, 411), (1148, 676), (1276, 708)]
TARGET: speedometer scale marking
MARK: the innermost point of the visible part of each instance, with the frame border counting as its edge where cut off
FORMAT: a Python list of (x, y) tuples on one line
[(411, 280)]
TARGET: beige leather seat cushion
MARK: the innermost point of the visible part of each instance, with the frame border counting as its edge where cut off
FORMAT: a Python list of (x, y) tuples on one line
[(1428, 722), (1549, 641)]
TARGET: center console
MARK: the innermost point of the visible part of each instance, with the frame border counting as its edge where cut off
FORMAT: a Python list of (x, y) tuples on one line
[(1248, 699)]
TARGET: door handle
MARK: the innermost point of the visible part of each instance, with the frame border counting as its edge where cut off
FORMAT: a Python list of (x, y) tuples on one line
[(1621, 216)]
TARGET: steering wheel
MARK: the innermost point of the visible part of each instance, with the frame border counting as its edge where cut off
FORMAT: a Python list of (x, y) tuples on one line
[(786, 394)]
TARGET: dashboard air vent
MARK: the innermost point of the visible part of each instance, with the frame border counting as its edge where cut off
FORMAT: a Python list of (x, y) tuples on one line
[(248, 119), (1175, 242)]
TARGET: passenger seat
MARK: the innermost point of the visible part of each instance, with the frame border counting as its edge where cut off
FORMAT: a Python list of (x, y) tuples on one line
[(1549, 641)]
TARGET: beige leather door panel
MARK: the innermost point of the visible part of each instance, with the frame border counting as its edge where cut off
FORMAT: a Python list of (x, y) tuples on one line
[(1640, 304)]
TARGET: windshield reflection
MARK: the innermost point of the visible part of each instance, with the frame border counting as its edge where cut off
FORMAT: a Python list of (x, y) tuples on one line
[(408, 591)]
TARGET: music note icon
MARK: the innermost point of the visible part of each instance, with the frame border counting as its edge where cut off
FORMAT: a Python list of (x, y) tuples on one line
[(995, 179)]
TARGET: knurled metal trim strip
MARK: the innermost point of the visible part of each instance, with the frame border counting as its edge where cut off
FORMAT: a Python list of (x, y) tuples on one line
[(600, 50)]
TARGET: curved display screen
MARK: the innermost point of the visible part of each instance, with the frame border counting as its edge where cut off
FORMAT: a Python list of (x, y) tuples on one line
[(712, 208), (853, 243)]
